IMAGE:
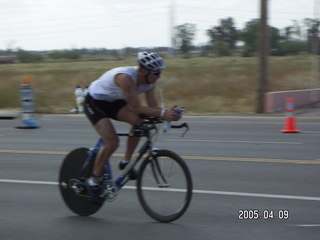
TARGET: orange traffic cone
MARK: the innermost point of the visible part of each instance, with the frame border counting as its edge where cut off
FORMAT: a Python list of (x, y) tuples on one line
[(290, 121)]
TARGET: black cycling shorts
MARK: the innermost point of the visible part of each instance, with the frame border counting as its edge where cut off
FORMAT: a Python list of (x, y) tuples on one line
[(98, 109)]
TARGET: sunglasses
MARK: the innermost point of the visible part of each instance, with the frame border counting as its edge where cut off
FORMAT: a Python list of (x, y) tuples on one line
[(156, 73)]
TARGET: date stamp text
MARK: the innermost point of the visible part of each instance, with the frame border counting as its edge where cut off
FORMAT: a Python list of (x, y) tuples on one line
[(255, 214)]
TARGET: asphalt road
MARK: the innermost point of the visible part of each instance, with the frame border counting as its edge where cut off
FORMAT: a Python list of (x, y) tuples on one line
[(240, 165)]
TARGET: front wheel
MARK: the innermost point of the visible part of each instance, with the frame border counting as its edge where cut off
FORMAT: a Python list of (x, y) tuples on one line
[(164, 186)]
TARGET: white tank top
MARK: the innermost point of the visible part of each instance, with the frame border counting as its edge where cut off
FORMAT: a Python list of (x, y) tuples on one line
[(105, 88)]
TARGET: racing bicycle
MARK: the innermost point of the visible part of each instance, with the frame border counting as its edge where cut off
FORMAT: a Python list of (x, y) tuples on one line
[(163, 181)]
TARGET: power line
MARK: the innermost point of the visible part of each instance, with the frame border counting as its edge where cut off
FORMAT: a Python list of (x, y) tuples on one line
[(214, 9), (98, 17), (143, 15), (71, 29)]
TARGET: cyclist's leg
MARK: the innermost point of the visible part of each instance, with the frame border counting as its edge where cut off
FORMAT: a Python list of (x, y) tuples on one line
[(106, 130), (127, 115)]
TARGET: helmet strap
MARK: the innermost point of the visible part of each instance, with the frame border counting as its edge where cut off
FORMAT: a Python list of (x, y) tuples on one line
[(146, 78)]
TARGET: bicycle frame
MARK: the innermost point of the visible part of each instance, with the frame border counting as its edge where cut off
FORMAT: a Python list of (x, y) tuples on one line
[(144, 131), (121, 180)]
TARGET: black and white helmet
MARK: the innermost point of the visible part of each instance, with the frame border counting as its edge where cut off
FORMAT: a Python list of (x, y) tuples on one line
[(151, 61)]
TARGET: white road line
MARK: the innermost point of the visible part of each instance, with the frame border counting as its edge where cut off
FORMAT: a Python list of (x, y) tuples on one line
[(210, 192), (27, 182), (230, 141), (307, 225), (261, 195)]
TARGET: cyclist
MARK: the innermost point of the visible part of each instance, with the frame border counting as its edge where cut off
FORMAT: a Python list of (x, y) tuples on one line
[(115, 95)]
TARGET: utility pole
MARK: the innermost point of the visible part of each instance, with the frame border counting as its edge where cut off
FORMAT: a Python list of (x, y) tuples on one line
[(315, 51), (172, 30), (263, 45)]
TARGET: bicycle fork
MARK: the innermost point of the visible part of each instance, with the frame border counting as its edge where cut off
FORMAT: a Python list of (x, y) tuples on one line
[(157, 170)]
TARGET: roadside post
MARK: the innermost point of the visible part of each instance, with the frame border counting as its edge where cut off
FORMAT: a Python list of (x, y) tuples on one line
[(27, 104)]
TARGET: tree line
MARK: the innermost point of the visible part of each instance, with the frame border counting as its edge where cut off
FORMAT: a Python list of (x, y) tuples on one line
[(225, 38)]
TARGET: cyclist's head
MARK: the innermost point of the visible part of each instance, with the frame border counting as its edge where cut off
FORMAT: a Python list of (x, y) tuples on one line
[(151, 61)]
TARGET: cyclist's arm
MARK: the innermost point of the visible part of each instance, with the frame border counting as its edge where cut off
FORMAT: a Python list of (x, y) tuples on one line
[(151, 98), (153, 102), (128, 87)]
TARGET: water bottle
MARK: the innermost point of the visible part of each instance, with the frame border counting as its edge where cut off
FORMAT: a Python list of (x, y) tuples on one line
[(78, 92)]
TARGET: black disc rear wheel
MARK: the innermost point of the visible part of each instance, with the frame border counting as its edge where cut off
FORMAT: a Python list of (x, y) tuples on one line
[(70, 179)]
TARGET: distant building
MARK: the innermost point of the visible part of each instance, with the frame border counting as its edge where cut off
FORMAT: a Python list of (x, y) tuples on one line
[(6, 59)]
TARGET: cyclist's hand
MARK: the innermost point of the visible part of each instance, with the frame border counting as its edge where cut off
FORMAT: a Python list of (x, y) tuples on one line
[(178, 110), (170, 115)]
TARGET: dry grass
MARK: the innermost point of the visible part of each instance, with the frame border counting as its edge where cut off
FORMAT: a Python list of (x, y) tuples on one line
[(211, 85), (202, 85)]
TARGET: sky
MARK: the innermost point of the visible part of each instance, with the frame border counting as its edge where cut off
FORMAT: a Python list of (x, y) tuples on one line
[(69, 24)]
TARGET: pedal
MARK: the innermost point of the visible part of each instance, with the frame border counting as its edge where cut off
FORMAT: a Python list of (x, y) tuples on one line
[(76, 186), (110, 193), (77, 189), (64, 185)]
